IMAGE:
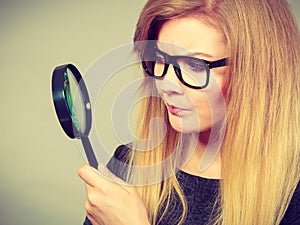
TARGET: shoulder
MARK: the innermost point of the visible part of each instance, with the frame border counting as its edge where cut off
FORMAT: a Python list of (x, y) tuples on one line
[(292, 215), (122, 152), (118, 164)]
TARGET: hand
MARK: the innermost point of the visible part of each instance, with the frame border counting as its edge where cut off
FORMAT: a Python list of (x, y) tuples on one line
[(109, 202)]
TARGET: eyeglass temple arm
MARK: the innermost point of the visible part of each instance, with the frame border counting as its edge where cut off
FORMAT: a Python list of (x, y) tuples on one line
[(218, 63)]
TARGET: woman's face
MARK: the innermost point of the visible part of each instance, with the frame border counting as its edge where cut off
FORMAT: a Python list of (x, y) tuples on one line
[(191, 110)]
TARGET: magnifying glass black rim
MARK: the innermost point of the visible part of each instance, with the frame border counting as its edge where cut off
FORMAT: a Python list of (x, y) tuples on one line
[(60, 102)]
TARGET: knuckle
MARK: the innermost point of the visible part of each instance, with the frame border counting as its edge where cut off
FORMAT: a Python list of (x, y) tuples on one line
[(106, 189), (87, 207), (93, 200), (133, 191)]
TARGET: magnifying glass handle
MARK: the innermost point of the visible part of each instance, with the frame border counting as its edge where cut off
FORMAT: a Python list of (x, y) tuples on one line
[(89, 152)]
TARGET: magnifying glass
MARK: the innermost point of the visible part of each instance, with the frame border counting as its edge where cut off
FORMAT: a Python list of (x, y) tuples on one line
[(73, 107)]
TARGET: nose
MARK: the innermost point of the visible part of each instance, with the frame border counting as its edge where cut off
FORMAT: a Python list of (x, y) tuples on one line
[(170, 84)]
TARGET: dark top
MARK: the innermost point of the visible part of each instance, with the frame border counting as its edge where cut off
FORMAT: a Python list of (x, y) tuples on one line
[(200, 194)]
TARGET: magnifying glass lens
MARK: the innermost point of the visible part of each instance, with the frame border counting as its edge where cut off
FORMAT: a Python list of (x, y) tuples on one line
[(74, 101)]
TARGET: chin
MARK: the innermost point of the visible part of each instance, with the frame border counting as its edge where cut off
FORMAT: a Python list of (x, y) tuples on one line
[(187, 125)]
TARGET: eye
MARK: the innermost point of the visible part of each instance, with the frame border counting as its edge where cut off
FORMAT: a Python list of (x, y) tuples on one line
[(194, 65), (159, 58)]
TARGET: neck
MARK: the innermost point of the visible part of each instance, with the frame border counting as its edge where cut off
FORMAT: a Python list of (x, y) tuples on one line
[(211, 157)]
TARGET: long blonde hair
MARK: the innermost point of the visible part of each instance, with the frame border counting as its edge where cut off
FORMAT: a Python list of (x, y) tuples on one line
[(260, 152)]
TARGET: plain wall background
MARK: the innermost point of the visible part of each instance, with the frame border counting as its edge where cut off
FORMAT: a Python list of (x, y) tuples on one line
[(39, 182)]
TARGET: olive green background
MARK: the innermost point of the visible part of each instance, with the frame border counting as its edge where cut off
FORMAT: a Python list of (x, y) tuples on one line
[(38, 163)]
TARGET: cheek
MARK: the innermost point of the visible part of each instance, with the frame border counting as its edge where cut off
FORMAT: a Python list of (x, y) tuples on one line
[(218, 85), (210, 103), (220, 80), (202, 110), (223, 85), (204, 101)]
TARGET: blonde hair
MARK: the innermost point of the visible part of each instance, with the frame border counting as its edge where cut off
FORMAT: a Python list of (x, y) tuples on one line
[(260, 152)]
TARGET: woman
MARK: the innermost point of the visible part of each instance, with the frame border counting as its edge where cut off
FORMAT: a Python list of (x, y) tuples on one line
[(254, 175)]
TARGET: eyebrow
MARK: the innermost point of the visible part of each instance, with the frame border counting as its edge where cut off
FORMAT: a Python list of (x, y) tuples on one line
[(200, 54), (191, 54)]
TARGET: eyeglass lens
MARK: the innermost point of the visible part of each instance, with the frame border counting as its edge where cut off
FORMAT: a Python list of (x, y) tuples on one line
[(190, 70)]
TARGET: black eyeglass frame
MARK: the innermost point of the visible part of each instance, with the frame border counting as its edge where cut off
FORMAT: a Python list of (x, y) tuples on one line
[(173, 60)]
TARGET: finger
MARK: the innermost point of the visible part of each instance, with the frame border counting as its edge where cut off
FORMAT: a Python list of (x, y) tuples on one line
[(113, 178), (94, 221), (89, 175), (93, 177), (102, 178), (94, 200), (103, 170)]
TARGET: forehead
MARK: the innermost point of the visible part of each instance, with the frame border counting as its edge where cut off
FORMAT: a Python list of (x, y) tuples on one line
[(193, 35)]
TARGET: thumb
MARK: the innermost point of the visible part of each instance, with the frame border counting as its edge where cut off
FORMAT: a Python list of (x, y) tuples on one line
[(106, 173)]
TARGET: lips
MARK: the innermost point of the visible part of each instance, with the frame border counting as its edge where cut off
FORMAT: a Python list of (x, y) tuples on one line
[(175, 110)]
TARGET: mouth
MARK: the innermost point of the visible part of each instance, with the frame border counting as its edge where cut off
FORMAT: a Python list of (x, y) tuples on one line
[(175, 110)]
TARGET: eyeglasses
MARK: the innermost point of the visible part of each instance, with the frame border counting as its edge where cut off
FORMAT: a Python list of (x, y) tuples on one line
[(192, 72)]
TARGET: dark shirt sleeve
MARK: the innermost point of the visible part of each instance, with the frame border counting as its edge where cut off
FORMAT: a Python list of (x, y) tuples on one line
[(292, 215), (87, 222), (118, 164)]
